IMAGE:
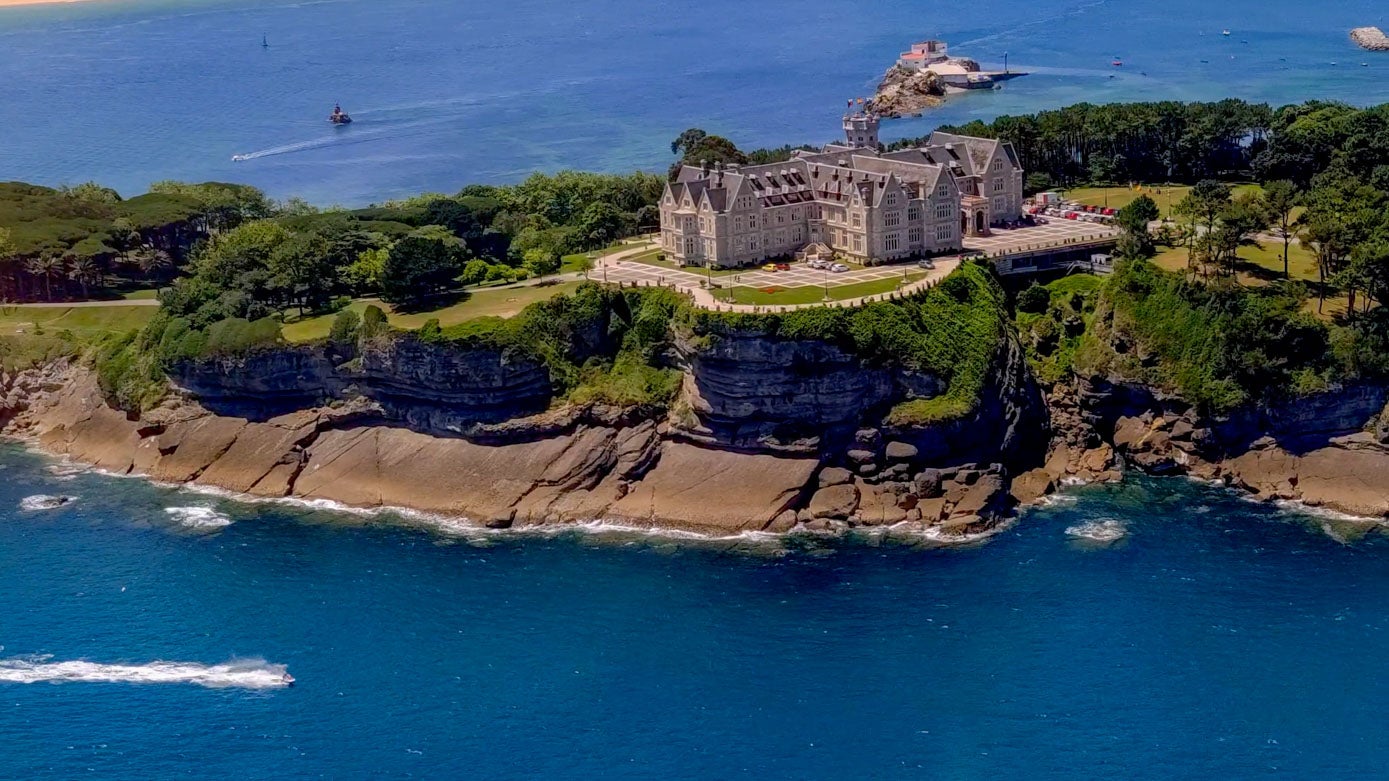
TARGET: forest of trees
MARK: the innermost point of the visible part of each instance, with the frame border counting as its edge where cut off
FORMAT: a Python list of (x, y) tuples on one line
[(222, 250)]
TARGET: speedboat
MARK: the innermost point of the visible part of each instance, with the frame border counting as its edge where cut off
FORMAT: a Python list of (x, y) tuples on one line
[(1224, 32), (238, 158), (339, 117), (287, 679)]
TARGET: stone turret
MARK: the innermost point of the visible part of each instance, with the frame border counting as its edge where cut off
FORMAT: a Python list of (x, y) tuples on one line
[(861, 129)]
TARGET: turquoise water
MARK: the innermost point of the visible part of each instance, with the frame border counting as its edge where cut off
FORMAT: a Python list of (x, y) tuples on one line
[(1215, 639), (446, 93)]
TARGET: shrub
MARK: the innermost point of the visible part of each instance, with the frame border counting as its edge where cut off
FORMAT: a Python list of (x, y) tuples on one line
[(1034, 299), (373, 322), (345, 326)]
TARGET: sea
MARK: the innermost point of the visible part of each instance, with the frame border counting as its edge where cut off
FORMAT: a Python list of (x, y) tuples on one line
[(1155, 629), (446, 93)]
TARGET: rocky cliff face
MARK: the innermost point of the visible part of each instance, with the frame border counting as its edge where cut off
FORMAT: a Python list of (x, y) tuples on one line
[(767, 434), (904, 92)]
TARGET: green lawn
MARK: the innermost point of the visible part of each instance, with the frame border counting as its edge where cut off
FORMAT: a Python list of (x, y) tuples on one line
[(1165, 195), (1264, 264), (146, 294), (81, 320), (815, 294), (481, 303), (570, 263)]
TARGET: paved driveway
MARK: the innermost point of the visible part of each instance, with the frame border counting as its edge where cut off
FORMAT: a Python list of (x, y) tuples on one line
[(1056, 231)]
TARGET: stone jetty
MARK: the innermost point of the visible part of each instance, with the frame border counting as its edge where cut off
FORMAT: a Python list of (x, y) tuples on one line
[(1371, 38)]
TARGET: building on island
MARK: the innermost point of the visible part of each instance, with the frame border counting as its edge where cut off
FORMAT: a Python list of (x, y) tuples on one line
[(854, 199), (956, 73)]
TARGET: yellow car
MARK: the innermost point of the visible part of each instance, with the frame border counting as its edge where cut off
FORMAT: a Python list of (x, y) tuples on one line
[(769, 267)]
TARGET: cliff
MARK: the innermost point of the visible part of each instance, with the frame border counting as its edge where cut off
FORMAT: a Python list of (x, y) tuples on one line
[(904, 92), (766, 434)]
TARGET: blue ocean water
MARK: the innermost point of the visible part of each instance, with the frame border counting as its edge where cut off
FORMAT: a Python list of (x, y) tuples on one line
[(1216, 638), (446, 93)]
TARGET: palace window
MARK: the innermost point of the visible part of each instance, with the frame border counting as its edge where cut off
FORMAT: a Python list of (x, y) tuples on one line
[(998, 165), (796, 214), (893, 242), (945, 232), (738, 223), (752, 242), (913, 213), (858, 243), (943, 191), (943, 211), (892, 219), (890, 200), (914, 235), (780, 217), (1000, 206), (858, 220), (998, 184), (752, 222)]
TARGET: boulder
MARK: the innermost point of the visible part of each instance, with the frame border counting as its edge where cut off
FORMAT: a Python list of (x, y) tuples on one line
[(985, 497), (835, 501), (833, 475), (860, 456), (1032, 485), (900, 451), (928, 483)]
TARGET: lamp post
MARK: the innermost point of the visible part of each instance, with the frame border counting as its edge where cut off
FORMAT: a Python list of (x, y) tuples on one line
[(826, 272)]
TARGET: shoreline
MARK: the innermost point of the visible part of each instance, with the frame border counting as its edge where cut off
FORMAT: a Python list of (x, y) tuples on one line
[(472, 530)]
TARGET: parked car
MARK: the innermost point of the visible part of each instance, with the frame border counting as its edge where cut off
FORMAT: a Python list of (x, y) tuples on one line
[(818, 264), (925, 263), (769, 267), (839, 268), (783, 267)]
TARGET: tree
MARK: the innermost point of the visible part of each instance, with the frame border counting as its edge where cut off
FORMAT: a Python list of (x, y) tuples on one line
[(1134, 219), (687, 140), (85, 271), (418, 267), (46, 267), (541, 263), (1280, 201), (365, 273)]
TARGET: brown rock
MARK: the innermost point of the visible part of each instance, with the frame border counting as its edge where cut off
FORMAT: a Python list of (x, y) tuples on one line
[(782, 523), (900, 451), (833, 475), (1351, 481), (931, 509), (982, 498), (1030, 486), (835, 501)]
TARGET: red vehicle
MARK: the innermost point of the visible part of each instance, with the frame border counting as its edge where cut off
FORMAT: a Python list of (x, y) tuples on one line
[(1071, 216), (783, 267)]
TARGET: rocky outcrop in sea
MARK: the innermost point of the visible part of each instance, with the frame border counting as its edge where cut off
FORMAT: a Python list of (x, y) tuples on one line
[(904, 92)]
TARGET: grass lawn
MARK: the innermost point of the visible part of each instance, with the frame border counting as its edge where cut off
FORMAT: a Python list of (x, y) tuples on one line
[(481, 303), (1165, 195), (815, 294), (83, 321), (1263, 265), (570, 263), (147, 294)]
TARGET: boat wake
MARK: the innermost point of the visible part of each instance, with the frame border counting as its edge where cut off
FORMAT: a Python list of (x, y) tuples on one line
[(238, 674), (1103, 531), (200, 518), (390, 130)]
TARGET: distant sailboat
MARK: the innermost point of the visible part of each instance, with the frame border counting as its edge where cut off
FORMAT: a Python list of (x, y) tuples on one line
[(264, 42)]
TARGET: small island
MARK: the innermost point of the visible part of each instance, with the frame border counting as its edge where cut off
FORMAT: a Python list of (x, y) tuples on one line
[(1371, 38), (924, 75)]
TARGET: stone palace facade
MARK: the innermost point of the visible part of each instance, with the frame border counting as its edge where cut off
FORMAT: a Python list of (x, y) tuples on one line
[(863, 203)]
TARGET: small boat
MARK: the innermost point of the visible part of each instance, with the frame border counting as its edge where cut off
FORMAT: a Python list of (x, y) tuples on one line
[(287, 679), (1117, 63), (264, 42), (238, 158), (339, 117), (1225, 32)]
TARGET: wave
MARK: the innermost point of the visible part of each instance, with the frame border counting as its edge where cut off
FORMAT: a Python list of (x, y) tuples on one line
[(200, 518), (1104, 530), (349, 136), (44, 502), (236, 674), (66, 471)]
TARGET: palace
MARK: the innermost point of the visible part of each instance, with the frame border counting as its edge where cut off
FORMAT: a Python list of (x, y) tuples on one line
[(854, 199)]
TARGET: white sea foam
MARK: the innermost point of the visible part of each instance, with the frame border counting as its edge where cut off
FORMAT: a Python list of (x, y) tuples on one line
[(44, 502), (200, 518), (66, 470), (241, 674), (1104, 530)]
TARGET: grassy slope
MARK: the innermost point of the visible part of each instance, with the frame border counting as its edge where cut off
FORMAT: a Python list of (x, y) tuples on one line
[(503, 302), (82, 321)]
